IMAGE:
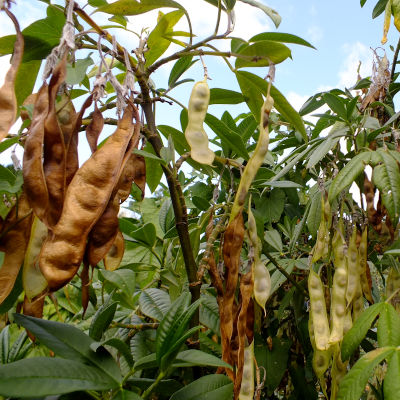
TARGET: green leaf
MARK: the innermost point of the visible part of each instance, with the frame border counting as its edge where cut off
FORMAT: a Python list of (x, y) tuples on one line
[(280, 103), (261, 53), (146, 234), (154, 303), (388, 327), (225, 96), (123, 279), (357, 333), (26, 78), (273, 238), (102, 320), (270, 208), (44, 376), (229, 137), (153, 169), (4, 344), (77, 72), (282, 184), (118, 344), (156, 43), (127, 395), (210, 387), (97, 3), (181, 66), (281, 37), (391, 384), (165, 387), (312, 104), (353, 384), (146, 154), (209, 313), (16, 352), (275, 17), (379, 8), (277, 278), (69, 342), (336, 104), (190, 358), (348, 174), (386, 177), (134, 7)]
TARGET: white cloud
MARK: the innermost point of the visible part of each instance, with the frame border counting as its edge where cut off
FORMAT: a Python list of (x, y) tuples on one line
[(315, 34), (313, 10), (296, 100), (354, 53)]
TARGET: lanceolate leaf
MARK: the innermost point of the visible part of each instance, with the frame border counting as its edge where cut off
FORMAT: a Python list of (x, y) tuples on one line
[(281, 37), (280, 103), (357, 333), (134, 7), (348, 174), (101, 320), (386, 177), (210, 387), (69, 342), (225, 96), (43, 376), (196, 357), (353, 384), (182, 65), (388, 326), (154, 303), (391, 384), (275, 17)]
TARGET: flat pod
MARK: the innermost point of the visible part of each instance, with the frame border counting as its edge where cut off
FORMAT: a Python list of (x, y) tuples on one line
[(33, 280), (34, 180), (8, 99), (13, 242), (87, 196)]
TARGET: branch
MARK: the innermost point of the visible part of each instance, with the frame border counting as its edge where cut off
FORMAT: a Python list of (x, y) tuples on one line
[(394, 62)]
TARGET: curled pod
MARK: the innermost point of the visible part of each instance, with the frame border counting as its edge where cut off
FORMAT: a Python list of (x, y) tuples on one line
[(262, 283), (318, 311), (33, 280), (94, 128), (8, 99), (353, 271), (339, 287), (34, 180), (247, 386), (13, 242), (87, 196), (195, 135)]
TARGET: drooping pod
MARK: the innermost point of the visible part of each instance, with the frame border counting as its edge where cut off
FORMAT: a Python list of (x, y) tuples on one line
[(363, 257), (321, 248), (353, 269), (318, 311), (247, 386), (339, 286), (195, 135), (8, 99), (393, 286), (87, 196)]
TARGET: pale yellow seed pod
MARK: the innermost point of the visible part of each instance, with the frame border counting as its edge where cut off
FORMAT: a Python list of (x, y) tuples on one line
[(33, 280), (318, 311), (194, 133), (262, 283), (247, 386)]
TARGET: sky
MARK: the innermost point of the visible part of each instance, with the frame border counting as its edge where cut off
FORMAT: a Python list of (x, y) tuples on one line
[(341, 30)]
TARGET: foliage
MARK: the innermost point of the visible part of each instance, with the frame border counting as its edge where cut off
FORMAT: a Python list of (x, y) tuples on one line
[(264, 262)]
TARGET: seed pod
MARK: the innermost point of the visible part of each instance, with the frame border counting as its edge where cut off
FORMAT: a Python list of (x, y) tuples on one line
[(255, 160), (195, 135), (358, 302), (364, 269), (262, 283), (85, 286), (339, 286), (34, 181), (318, 311), (34, 308), (339, 370), (8, 99), (54, 151), (87, 196), (33, 280), (14, 241), (233, 240), (321, 248), (247, 387), (392, 286), (348, 321), (94, 129), (246, 290), (113, 258), (353, 269)]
